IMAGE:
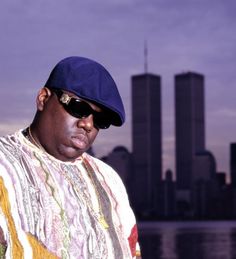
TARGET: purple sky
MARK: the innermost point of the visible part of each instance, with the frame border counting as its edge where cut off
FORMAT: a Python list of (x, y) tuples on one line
[(182, 35)]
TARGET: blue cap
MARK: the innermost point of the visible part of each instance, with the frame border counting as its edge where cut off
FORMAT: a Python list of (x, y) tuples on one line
[(88, 80)]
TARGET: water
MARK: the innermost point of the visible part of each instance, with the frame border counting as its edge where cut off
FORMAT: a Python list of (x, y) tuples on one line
[(188, 240)]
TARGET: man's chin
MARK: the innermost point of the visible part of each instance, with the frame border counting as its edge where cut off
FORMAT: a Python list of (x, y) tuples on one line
[(70, 154)]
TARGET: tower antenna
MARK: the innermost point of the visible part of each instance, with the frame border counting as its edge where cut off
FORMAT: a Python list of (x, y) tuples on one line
[(145, 57)]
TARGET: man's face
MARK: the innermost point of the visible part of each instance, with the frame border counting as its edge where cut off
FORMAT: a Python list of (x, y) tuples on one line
[(63, 136)]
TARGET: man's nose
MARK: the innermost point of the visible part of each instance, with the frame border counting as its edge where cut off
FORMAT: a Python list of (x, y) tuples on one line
[(86, 123)]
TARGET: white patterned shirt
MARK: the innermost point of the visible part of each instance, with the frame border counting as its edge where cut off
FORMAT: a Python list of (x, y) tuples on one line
[(51, 209)]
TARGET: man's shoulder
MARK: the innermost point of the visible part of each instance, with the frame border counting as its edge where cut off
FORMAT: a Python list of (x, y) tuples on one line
[(98, 162), (9, 144), (10, 139), (11, 136), (106, 171)]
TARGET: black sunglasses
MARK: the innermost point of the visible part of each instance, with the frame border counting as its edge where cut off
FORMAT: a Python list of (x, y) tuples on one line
[(80, 109)]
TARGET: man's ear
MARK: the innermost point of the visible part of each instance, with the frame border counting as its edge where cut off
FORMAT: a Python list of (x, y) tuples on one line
[(42, 97)]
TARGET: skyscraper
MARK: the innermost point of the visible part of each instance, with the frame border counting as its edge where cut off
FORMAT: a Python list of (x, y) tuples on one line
[(233, 164), (146, 141), (189, 127)]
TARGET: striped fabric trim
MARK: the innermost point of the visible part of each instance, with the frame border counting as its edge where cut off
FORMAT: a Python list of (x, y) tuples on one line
[(39, 251), (17, 249)]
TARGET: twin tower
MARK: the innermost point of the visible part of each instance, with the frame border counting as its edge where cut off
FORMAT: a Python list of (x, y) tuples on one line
[(193, 162)]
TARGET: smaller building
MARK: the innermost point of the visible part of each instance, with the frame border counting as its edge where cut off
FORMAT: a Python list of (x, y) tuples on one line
[(120, 159)]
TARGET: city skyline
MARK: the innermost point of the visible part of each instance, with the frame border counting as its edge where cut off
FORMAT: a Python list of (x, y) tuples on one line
[(200, 191), (188, 35)]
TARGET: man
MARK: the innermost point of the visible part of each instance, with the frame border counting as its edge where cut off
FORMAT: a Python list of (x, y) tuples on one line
[(57, 201)]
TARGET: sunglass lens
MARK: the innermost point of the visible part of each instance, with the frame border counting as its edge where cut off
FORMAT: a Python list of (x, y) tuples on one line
[(78, 109), (101, 120)]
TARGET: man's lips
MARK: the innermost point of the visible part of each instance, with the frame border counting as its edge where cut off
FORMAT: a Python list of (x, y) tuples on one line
[(79, 140)]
